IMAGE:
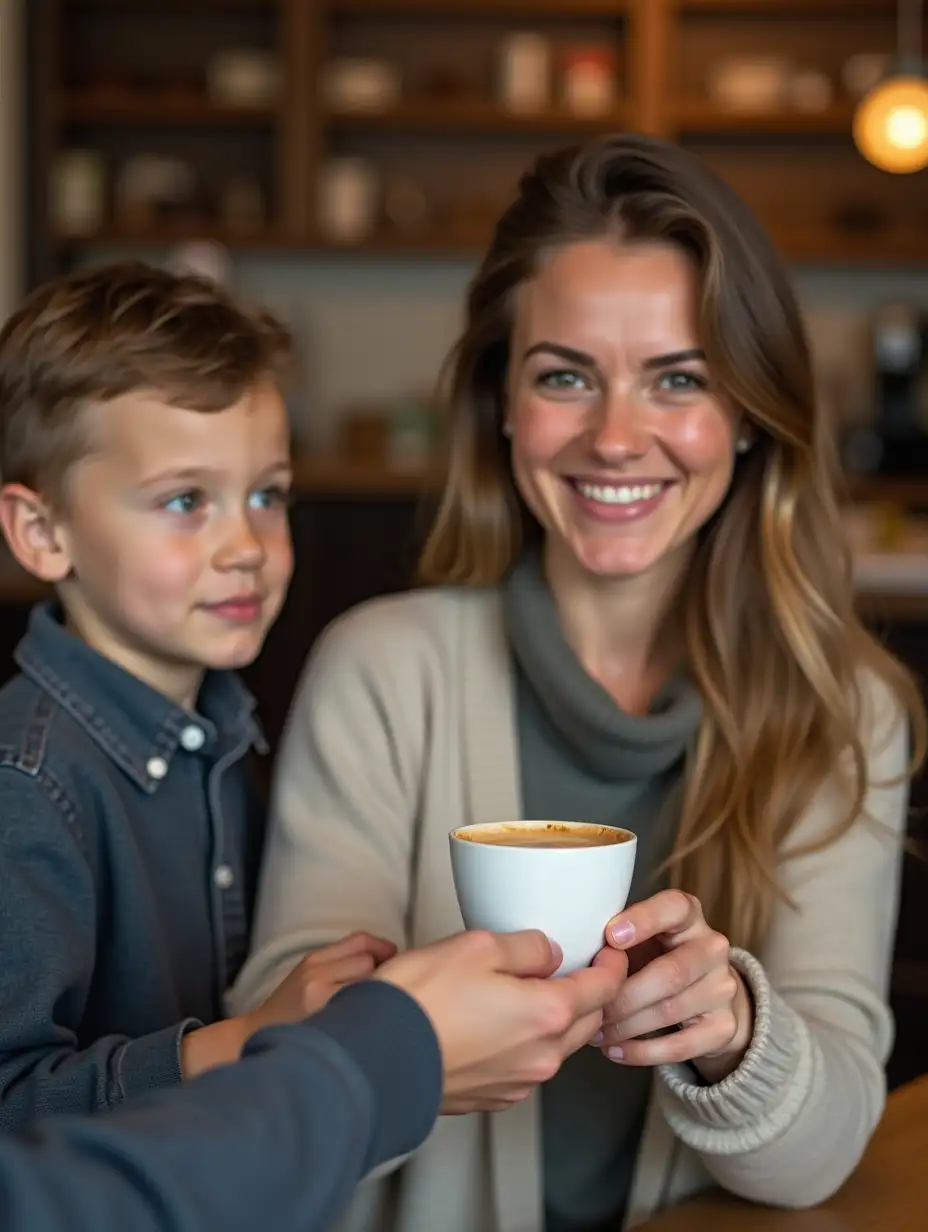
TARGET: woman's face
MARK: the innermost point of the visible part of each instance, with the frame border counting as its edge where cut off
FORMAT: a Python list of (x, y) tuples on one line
[(621, 446)]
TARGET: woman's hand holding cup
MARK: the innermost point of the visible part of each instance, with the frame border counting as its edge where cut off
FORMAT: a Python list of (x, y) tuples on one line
[(680, 977)]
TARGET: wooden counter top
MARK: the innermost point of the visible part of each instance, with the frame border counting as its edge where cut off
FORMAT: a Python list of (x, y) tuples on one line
[(887, 1193), (337, 477)]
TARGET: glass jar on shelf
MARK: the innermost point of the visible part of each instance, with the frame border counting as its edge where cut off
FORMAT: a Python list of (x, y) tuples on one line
[(590, 85)]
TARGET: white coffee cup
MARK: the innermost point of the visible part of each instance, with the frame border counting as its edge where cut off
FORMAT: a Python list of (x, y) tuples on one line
[(567, 878)]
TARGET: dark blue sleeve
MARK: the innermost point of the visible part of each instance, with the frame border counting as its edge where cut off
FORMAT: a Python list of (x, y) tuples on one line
[(48, 942), (278, 1140)]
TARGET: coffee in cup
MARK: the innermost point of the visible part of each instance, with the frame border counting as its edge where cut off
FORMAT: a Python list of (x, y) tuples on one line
[(567, 878), (544, 834)]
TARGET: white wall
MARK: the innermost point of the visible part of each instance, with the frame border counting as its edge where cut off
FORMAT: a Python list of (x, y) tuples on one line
[(378, 329)]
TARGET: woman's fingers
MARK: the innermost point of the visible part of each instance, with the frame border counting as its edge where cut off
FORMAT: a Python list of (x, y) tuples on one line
[(707, 1035), (671, 974), (667, 914), (715, 991)]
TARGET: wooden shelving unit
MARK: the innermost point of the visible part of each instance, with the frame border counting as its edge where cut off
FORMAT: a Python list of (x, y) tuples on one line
[(502, 9), (895, 248), (168, 235), (785, 8), (203, 6), (478, 116), (142, 111), (697, 115), (458, 142)]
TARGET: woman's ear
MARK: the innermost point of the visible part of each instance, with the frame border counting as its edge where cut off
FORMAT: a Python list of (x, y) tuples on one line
[(745, 437)]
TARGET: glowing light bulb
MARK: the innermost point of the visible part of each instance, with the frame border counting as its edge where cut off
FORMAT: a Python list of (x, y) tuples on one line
[(906, 127), (891, 125)]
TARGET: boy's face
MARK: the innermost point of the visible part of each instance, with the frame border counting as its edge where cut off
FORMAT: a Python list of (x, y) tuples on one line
[(177, 535)]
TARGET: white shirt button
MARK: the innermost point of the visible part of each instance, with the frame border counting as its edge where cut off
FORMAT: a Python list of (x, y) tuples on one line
[(193, 738), (157, 767), (223, 876)]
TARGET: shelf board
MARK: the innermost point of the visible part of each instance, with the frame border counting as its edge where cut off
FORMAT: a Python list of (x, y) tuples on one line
[(906, 490), (809, 245), (158, 111), (167, 235), (320, 476), (438, 9), (698, 115), (892, 247), (471, 115), (147, 6), (789, 8), (469, 244)]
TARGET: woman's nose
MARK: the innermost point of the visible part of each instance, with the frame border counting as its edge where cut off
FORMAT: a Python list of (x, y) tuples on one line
[(620, 431)]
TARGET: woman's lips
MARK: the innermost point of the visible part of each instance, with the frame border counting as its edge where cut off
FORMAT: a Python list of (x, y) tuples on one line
[(610, 501)]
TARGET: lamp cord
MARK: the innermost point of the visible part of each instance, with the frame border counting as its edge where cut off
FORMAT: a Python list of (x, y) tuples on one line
[(909, 25)]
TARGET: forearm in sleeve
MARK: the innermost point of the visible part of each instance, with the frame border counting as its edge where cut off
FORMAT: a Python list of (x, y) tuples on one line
[(279, 1139)]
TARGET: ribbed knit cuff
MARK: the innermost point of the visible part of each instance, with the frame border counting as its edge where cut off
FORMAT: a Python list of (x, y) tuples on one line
[(758, 1100)]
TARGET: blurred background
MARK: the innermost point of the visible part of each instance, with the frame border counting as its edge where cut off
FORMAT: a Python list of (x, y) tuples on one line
[(342, 161)]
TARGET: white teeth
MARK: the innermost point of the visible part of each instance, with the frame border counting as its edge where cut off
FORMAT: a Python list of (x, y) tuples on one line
[(610, 494)]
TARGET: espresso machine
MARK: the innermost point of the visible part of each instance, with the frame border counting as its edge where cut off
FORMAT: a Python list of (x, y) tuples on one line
[(896, 440)]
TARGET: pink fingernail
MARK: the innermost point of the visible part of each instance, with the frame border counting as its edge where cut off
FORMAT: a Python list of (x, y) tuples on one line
[(615, 1054), (597, 1039), (622, 932)]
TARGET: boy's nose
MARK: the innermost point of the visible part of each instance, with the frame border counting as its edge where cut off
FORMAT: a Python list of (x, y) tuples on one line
[(242, 548)]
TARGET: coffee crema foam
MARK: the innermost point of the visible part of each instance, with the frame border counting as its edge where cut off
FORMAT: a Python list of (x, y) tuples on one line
[(544, 834)]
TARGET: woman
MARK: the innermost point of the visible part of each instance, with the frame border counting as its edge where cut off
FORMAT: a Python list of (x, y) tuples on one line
[(640, 612)]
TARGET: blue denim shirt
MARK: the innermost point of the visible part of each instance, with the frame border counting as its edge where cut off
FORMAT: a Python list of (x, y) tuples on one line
[(130, 839)]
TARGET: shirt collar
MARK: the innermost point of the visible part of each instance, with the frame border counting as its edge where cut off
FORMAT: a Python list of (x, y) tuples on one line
[(138, 727)]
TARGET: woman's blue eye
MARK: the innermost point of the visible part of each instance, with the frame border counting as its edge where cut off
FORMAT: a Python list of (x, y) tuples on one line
[(185, 502), (681, 380), (562, 378)]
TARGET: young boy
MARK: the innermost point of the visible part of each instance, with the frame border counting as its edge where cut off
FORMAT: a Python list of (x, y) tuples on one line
[(144, 456)]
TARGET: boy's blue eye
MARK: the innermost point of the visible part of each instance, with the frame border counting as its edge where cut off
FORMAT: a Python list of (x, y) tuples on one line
[(269, 498), (184, 502)]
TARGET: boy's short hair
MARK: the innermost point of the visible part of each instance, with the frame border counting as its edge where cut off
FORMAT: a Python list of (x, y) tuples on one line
[(103, 332)]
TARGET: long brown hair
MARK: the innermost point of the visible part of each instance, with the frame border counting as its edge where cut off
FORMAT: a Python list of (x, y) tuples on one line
[(773, 640)]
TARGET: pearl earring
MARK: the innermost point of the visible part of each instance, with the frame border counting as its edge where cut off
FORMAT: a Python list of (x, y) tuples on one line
[(507, 429), (742, 444)]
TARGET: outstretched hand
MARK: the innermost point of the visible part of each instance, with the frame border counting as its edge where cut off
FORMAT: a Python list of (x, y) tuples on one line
[(503, 1026)]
